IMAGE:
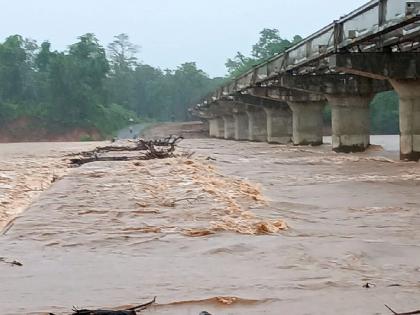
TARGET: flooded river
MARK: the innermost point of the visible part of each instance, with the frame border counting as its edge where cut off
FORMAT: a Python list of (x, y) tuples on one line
[(227, 227)]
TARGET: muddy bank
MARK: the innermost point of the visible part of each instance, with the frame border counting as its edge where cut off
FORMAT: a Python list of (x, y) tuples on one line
[(31, 130), (236, 228)]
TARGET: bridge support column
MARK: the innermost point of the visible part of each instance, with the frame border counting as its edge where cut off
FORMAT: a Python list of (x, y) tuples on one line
[(409, 93), (308, 122), (257, 125), (279, 125), (212, 127), (350, 122), (229, 127), (217, 128), (241, 126)]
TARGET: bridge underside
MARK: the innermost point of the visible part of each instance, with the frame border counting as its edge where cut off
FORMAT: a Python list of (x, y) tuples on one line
[(289, 107), (373, 49)]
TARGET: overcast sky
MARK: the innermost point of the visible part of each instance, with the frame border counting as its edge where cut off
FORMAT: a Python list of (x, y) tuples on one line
[(170, 32)]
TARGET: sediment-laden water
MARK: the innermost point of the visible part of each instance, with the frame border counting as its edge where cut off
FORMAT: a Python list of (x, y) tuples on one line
[(235, 228), (28, 169)]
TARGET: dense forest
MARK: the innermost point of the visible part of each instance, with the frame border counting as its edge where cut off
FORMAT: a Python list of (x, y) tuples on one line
[(89, 86), (93, 87)]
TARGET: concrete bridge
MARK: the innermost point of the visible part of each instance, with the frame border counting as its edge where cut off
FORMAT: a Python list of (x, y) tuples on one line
[(373, 49)]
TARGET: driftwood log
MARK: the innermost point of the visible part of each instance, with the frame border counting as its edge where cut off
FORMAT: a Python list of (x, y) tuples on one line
[(153, 149), (407, 313), (11, 262), (129, 311)]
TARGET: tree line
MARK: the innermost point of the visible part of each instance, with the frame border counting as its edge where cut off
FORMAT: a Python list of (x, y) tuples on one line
[(92, 86)]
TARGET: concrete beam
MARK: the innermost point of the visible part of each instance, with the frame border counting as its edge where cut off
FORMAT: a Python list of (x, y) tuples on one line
[(202, 113), (260, 102), (333, 84), (379, 65), (409, 92), (308, 122), (285, 95), (221, 108)]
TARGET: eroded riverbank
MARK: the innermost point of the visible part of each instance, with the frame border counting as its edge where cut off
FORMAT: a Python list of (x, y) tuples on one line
[(206, 233)]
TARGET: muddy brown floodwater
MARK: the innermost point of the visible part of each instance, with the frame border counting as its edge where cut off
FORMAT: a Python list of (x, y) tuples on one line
[(27, 169), (236, 228)]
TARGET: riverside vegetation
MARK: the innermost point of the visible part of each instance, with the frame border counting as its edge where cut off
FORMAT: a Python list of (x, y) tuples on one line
[(90, 87)]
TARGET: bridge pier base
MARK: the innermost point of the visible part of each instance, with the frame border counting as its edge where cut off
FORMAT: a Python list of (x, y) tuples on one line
[(279, 125), (257, 125), (241, 121), (308, 122), (350, 122), (409, 93), (229, 127), (217, 128)]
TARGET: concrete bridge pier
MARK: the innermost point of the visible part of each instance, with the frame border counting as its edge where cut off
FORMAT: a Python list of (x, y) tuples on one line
[(349, 96), (217, 127), (350, 122), (307, 122), (257, 122), (279, 124), (241, 121), (409, 93), (401, 70), (229, 127)]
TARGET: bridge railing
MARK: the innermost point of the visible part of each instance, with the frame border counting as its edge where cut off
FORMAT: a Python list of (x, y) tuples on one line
[(374, 19)]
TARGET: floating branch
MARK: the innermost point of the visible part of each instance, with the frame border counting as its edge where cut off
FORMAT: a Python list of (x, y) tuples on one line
[(154, 149), (408, 313), (129, 311), (11, 263)]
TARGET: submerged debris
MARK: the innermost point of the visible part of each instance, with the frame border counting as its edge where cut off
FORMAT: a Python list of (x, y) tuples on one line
[(408, 313), (153, 149), (12, 263), (129, 311), (369, 285)]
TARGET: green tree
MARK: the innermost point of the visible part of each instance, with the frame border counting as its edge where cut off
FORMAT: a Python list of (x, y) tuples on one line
[(121, 83), (77, 81), (269, 44), (13, 69), (240, 64), (122, 53), (42, 59), (384, 113)]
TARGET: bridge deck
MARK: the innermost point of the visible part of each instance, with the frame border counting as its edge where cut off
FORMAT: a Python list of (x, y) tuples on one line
[(379, 25)]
